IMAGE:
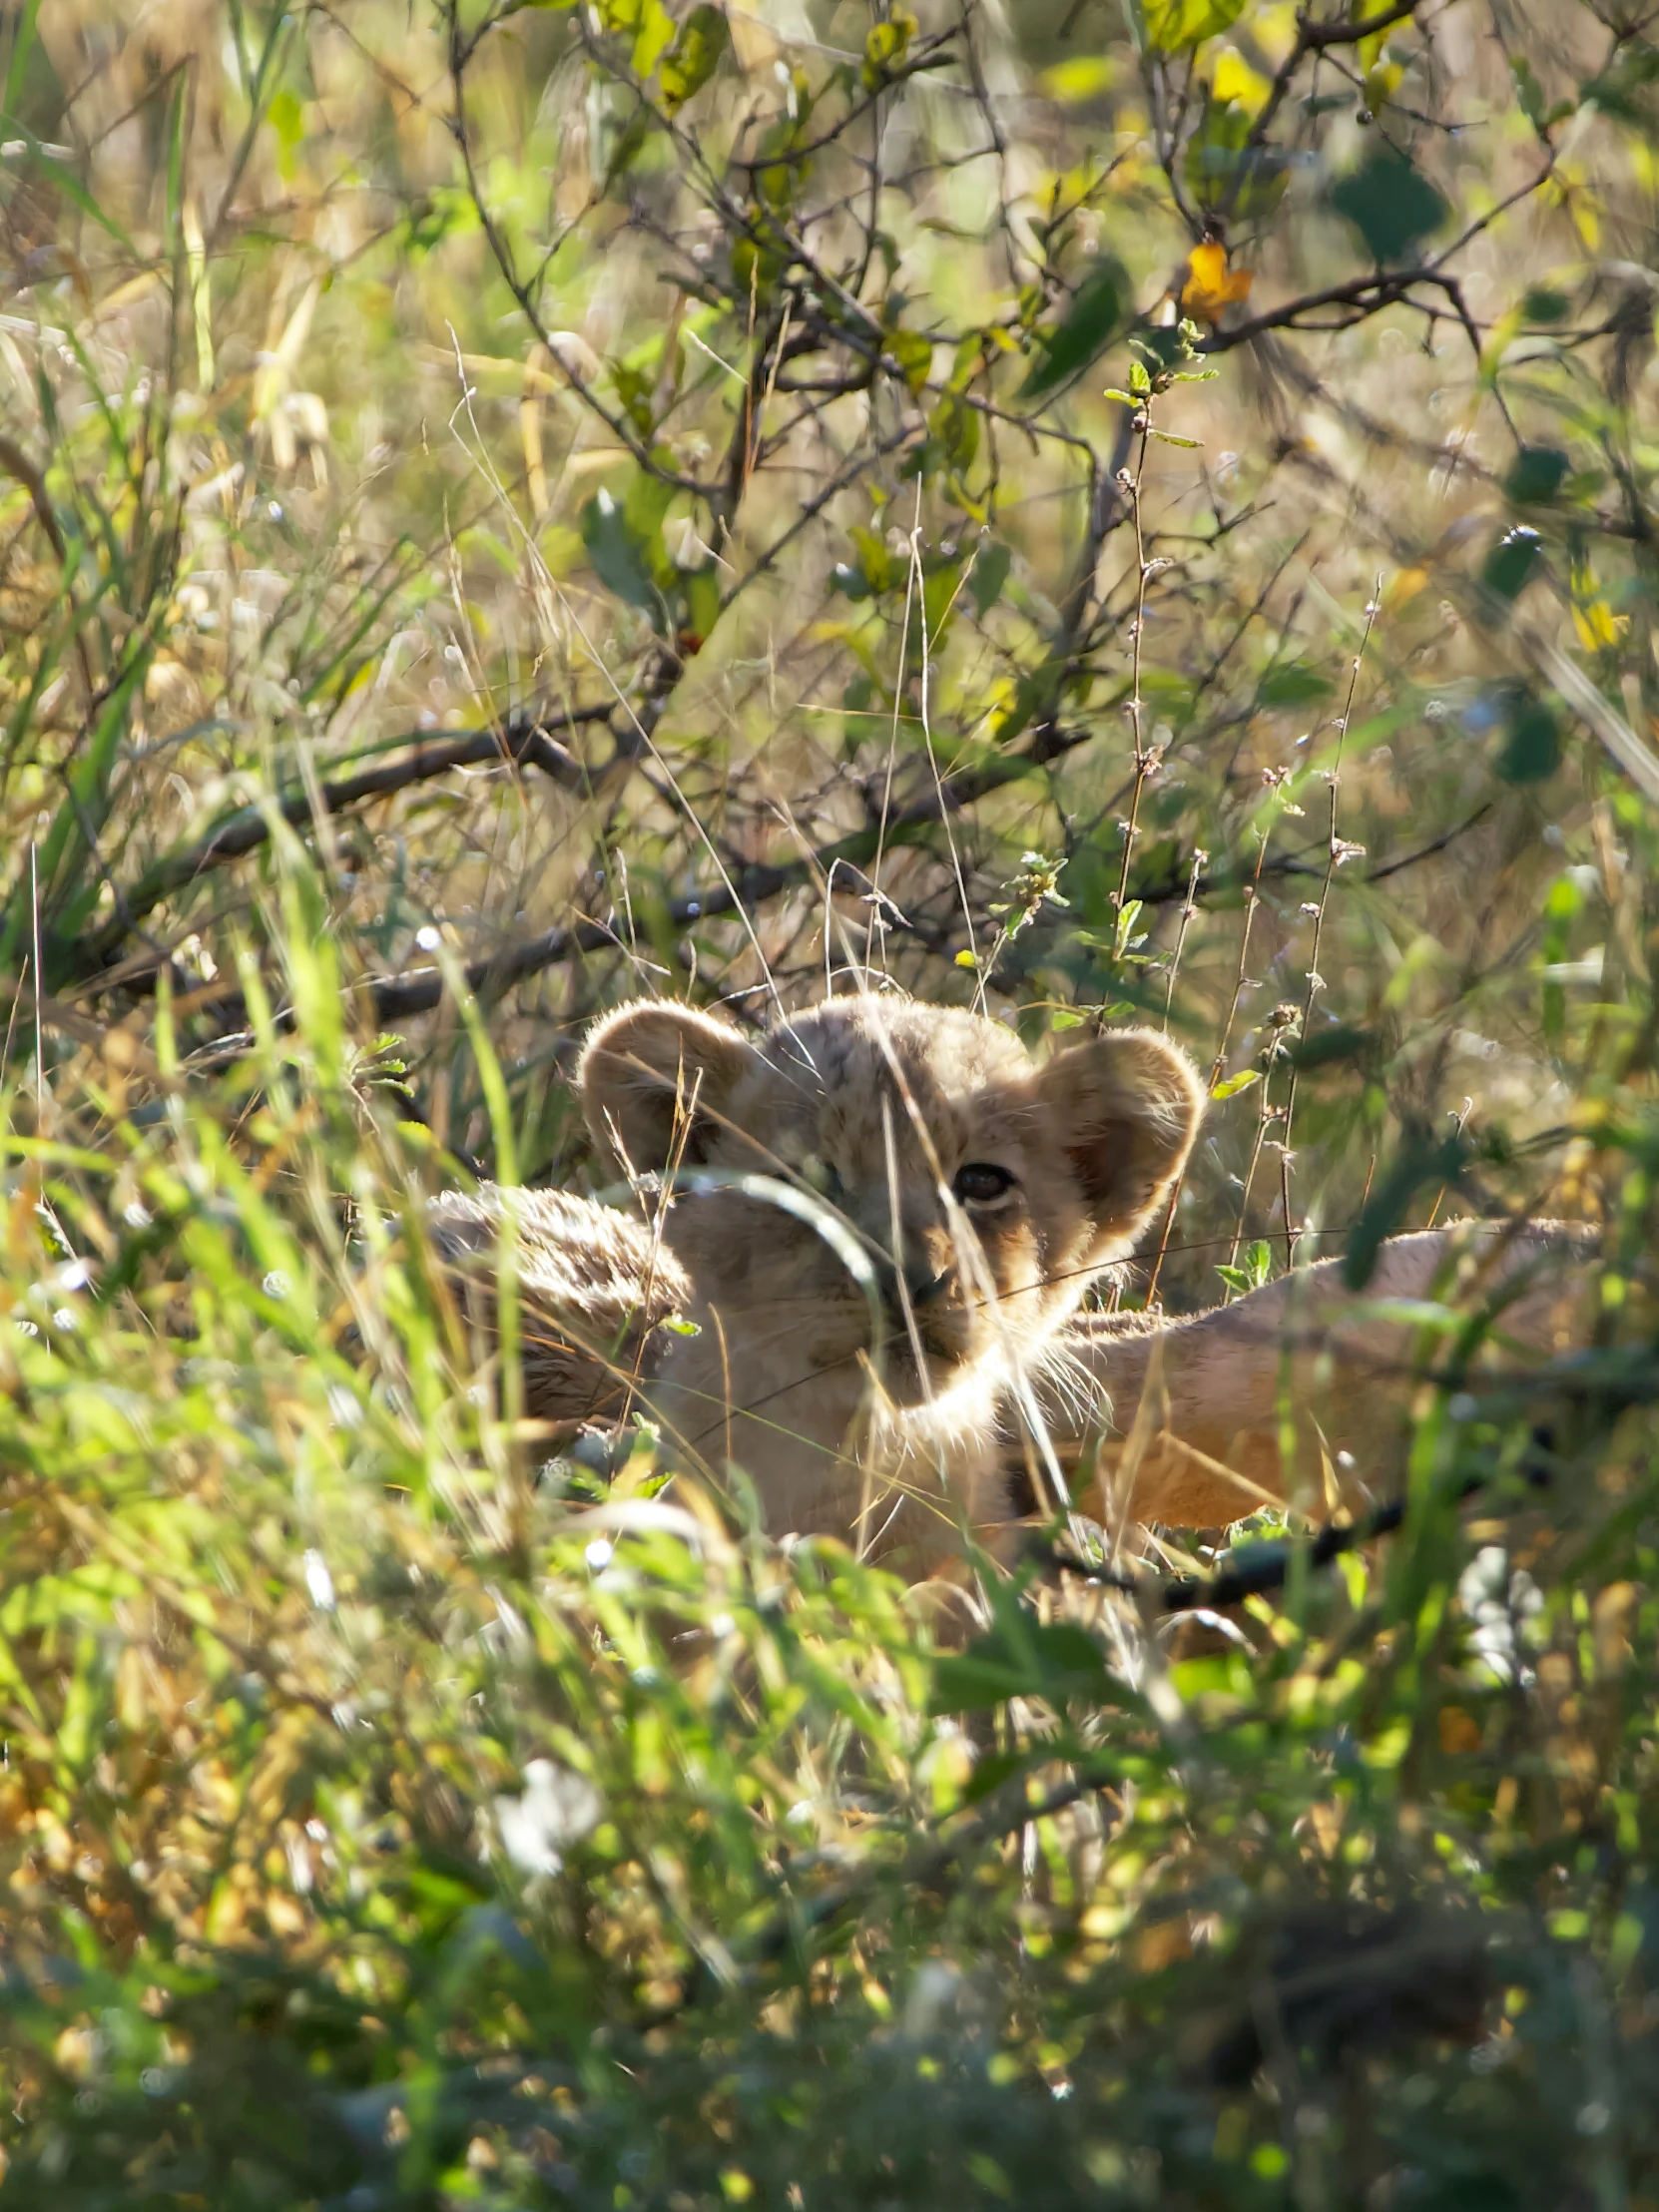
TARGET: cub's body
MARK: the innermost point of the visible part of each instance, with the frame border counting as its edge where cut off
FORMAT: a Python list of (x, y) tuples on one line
[(1187, 1411)]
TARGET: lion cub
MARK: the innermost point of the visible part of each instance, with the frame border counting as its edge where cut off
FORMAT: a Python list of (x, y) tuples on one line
[(877, 1217)]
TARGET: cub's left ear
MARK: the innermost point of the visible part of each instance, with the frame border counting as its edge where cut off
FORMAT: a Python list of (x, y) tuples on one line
[(1124, 1109)]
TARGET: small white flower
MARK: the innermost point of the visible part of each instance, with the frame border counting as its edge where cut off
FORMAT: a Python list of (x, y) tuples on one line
[(299, 1867), (319, 1582), (345, 1405), (598, 1554), (558, 1808), (427, 939), (1495, 1602), (933, 1994)]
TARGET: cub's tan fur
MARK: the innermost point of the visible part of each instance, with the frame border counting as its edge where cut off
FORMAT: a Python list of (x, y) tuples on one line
[(844, 1130), (595, 1286), (1189, 1408)]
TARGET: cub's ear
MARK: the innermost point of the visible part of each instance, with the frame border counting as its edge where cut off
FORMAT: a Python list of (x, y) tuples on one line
[(649, 1070), (1123, 1109)]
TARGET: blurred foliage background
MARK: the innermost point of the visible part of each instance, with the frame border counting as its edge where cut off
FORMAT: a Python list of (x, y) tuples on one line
[(1059, 506)]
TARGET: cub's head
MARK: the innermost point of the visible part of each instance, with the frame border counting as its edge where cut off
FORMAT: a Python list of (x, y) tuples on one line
[(984, 1191)]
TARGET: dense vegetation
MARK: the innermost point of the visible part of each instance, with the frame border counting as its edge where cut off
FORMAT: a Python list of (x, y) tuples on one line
[(505, 507)]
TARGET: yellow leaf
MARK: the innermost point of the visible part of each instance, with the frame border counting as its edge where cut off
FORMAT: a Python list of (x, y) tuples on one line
[(1211, 286), (1597, 625), (1236, 80), (1161, 1945), (1382, 81), (1458, 1730), (1402, 587), (1084, 77), (1274, 32)]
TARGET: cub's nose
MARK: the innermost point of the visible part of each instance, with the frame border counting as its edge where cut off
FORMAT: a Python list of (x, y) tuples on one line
[(919, 1284)]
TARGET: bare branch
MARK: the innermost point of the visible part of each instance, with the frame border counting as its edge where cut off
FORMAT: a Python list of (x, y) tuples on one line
[(524, 736)]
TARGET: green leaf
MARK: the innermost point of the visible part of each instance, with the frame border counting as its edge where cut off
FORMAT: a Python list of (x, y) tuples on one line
[(1391, 204), (1343, 1041), (25, 36), (885, 47), (1536, 475), (874, 561), (1528, 92), (1022, 1658), (1292, 683), (1532, 748), (653, 38), (287, 119), (1618, 91), (618, 558), (1175, 24), (1511, 563), (913, 353), (1085, 77), (988, 575), (956, 427), (702, 590), (1231, 1085), (644, 509), (1100, 308), (1223, 168), (695, 57), (629, 145)]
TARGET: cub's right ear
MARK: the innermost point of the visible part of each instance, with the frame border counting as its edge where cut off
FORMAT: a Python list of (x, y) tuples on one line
[(1124, 1108), (655, 1079)]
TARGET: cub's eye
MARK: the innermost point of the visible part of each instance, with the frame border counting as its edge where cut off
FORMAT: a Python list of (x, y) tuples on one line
[(981, 1184)]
